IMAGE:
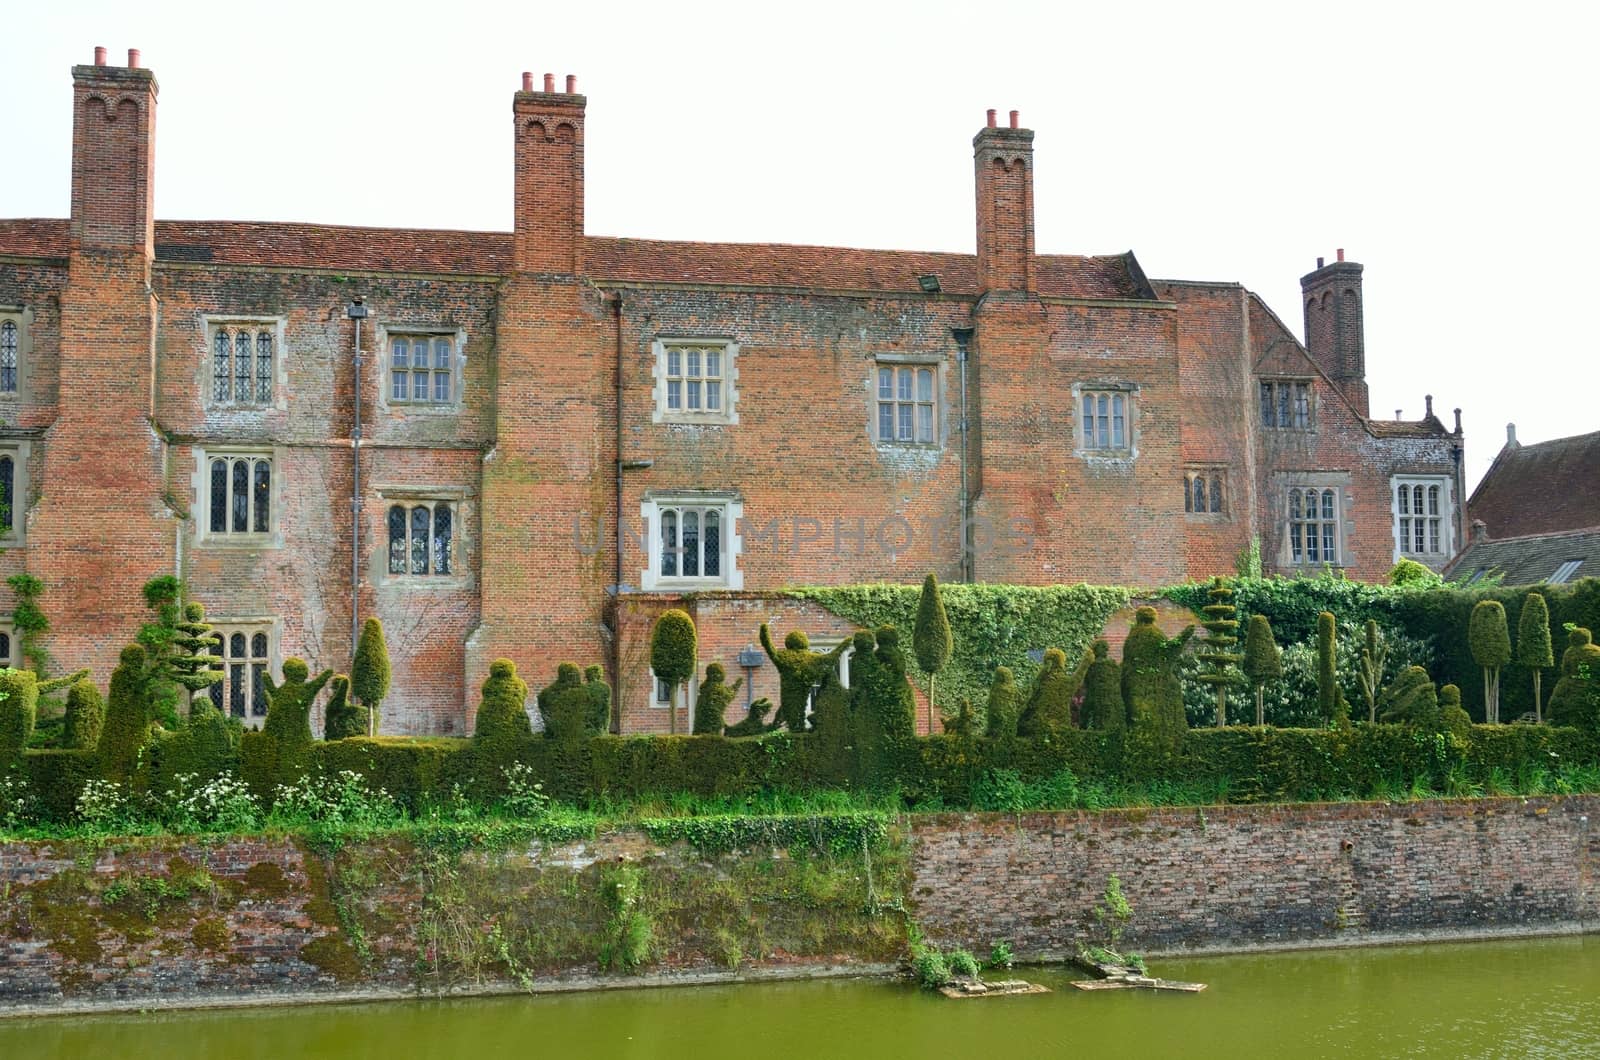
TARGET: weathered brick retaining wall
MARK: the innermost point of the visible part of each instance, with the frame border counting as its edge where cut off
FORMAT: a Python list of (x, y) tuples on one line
[(1245, 877), (147, 921)]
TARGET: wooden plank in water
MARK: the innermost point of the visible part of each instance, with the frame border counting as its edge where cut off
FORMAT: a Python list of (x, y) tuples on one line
[(1139, 984), (1000, 988)]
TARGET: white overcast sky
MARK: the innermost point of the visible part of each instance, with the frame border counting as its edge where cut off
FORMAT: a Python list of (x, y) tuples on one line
[(1448, 147)]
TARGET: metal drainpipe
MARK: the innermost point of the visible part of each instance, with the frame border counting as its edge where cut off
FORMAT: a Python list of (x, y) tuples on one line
[(356, 311), (963, 337), (616, 582)]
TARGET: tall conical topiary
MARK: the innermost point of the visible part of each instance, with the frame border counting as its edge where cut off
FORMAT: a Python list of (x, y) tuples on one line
[(1374, 653), (931, 640), (711, 704), (1533, 645), (1263, 662), (1218, 652), (85, 716), (1490, 642), (1005, 704), (673, 653), (369, 672), (191, 664), (1331, 703), (1049, 707), (1103, 707), (127, 725)]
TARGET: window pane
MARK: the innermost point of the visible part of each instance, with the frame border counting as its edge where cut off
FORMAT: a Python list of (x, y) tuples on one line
[(674, 394), (1118, 404), (1294, 542), (1403, 496), (258, 691), (222, 370), (1283, 408), (1433, 500), (214, 690), (691, 543), (1294, 504), (1327, 543), (886, 421), (8, 357), (421, 523), (400, 390), (925, 423), (692, 355), (1216, 493), (397, 540), (903, 379), (885, 383), (442, 529), (263, 496), (236, 704), (419, 386), (1266, 405), (1302, 405), (669, 543), (713, 543), (258, 646), (8, 476), (1188, 495), (1433, 535), (241, 496), (1199, 499), (1419, 528), (264, 367), (442, 350), (1327, 504), (400, 357), (1311, 543), (904, 417), (241, 366), (236, 646), (924, 384), (219, 496), (1088, 421), (1102, 433), (713, 396), (441, 387), (674, 361), (714, 364), (694, 394)]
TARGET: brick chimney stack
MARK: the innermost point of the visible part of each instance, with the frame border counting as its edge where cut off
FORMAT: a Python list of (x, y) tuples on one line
[(1335, 335), (113, 156), (1003, 164), (549, 175)]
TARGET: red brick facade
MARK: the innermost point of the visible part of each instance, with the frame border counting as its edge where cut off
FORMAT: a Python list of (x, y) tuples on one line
[(863, 402)]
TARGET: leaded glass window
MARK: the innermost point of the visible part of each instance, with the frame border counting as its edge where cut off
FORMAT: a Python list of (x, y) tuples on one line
[(1313, 525), (1104, 420), (1203, 492), (8, 483), (421, 369), (241, 494), (242, 365), (1286, 403), (1420, 517), (906, 404), (8, 356), (694, 380), (243, 657), (421, 538), (691, 541)]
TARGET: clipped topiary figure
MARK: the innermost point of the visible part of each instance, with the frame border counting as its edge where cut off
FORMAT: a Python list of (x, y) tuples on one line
[(754, 723), (882, 704), (1151, 689), (163, 595), (1576, 698), (594, 682), (1217, 652), (191, 664), (85, 717), (1453, 718), (1263, 661), (1331, 703), (202, 749), (369, 672), (963, 723), (830, 718), (1103, 707), (930, 639), (127, 725), (503, 711), (566, 705), (799, 671), (711, 704), (1049, 707), (1411, 700), (1490, 642), (283, 748), (1005, 704), (343, 719), (673, 653), (19, 711), (1533, 645)]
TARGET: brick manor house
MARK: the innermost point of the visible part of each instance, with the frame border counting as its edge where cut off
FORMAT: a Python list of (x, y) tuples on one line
[(314, 424)]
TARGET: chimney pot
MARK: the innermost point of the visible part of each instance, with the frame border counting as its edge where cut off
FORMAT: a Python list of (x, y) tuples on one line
[(527, 80), (99, 55), (1013, 119), (1511, 434), (572, 84), (1458, 421), (991, 118), (1319, 263), (133, 58), (549, 82), (1399, 414), (1340, 252), (1480, 530), (1428, 400)]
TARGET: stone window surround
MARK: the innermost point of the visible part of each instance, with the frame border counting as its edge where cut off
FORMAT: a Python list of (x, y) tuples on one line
[(278, 325), (941, 416), (728, 415), (408, 496), (1339, 481), (13, 656), (22, 316), (205, 537), (1276, 382), (1211, 473), (1127, 453), (732, 505), (19, 449), (1447, 510), (379, 356), (248, 625)]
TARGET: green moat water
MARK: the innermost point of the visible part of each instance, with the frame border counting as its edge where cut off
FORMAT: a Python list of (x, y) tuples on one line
[(1502, 999)]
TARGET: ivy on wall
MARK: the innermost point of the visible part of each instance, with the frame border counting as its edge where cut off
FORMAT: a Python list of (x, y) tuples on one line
[(992, 625)]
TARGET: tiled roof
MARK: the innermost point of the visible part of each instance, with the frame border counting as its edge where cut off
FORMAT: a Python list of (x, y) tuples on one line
[(1429, 427), (1530, 560), (620, 260), (1541, 488)]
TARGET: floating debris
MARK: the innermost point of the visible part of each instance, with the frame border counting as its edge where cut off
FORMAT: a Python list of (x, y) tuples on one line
[(1138, 982), (998, 988)]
